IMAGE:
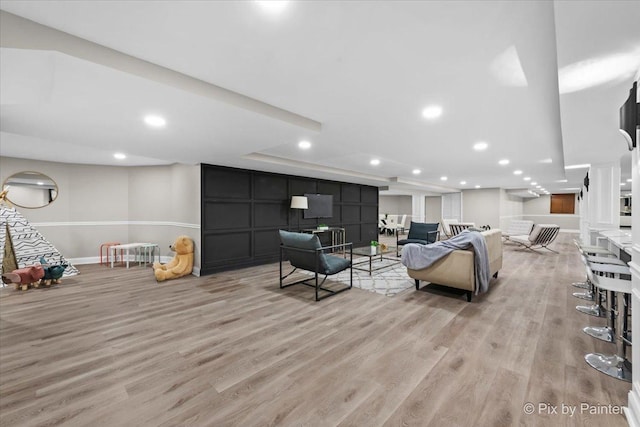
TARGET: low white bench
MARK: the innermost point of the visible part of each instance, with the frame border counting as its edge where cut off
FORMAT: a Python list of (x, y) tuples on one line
[(143, 249)]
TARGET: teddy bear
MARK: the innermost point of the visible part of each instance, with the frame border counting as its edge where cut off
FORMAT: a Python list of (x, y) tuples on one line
[(23, 277), (180, 265)]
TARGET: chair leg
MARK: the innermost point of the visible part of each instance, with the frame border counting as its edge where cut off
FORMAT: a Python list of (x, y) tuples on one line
[(417, 284), (469, 295)]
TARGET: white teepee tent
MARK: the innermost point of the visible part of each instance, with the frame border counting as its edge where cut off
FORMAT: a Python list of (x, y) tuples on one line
[(27, 242)]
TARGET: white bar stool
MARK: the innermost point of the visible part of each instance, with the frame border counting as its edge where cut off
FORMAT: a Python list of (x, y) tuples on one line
[(607, 333), (586, 250), (615, 365)]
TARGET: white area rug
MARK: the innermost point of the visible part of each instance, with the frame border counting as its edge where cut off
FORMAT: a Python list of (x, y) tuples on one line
[(388, 281)]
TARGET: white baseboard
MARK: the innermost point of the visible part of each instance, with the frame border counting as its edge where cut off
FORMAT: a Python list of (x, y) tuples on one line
[(632, 412), (96, 260)]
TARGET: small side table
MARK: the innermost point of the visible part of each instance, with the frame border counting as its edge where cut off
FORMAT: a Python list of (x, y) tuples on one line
[(107, 246), (148, 253)]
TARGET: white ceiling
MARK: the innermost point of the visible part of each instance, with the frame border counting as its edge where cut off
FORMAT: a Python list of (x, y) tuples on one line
[(241, 87)]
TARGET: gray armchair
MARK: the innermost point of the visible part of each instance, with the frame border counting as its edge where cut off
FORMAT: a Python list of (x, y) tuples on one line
[(419, 232), (305, 252)]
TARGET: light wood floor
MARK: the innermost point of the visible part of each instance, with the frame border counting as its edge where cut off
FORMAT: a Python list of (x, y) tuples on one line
[(115, 348)]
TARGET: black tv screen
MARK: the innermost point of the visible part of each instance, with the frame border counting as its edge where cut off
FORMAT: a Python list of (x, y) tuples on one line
[(320, 206)]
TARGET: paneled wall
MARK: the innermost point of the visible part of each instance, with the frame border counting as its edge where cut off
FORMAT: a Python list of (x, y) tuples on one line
[(242, 211)]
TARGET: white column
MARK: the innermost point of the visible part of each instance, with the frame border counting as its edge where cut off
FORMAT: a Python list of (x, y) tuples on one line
[(418, 208), (632, 412), (603, 202)]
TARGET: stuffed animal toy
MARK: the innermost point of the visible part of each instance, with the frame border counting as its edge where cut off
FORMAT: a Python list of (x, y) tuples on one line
[(23, 277), (180, 265), (52, 273)]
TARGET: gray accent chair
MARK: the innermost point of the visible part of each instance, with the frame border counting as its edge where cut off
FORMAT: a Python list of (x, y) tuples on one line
[(305, 252), (421, 233)]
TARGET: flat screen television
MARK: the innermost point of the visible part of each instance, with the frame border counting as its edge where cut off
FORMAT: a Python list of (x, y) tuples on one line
[(320, 206)]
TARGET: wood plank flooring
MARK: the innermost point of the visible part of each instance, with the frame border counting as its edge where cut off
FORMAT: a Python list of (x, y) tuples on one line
[(111, 347)]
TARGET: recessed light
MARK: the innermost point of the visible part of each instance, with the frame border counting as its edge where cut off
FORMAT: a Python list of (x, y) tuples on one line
[(504, 162), (416, 171), (477, 186), (517, 172), (40, 183), (527, 178), (463, 182), (443, 178), (155, 121), (375, 162), (432, 112), (120, 156), (305, 145), (586, 165), (273, 6), (629, 180), (538, 186), (534, 183), (480, 146)]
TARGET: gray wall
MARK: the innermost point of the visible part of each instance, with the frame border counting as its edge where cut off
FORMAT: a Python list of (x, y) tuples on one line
[(511, 207), (433, 209), (482, 207), (98, 204), (538, 210), (395, 205)]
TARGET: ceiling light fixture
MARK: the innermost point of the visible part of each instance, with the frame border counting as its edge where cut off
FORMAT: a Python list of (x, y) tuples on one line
[(416, 171), (477, 186), (375, 162), (273, 7), (305, 145), (527, 178), (480, 146), (504, 162), (538, 186), (623, 183), (432, 112), (463, 182), (443, 178), (586, 165), (629, 180), (534, 183), (517, 172), (155, 121), (546, 161), (40, 183), (120, 156)]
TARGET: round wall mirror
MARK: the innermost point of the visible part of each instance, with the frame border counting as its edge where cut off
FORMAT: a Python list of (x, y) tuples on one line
[(30, 189)]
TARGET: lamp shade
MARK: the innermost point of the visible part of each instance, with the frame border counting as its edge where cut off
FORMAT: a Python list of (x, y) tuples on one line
[(299, 202)]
